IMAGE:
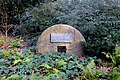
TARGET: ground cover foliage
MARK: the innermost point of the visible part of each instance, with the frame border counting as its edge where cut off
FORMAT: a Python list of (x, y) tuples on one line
[(19, 63)]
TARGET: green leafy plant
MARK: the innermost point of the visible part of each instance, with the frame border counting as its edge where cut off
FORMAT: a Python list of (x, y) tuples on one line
[(90, 72), (115, 56), (16, 43), (2, 41), (49, 66), (114, 74)]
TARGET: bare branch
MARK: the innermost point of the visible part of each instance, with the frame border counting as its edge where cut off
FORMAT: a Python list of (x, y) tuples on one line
[(10, 26)]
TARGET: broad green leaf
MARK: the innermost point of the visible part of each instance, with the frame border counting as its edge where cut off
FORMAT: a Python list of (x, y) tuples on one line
[(117, 77), (46, 65), (34, 77), (14, 77), (5, 52), (28, 59), (81, 66), (91, 64), (17, 61), (60, 63)]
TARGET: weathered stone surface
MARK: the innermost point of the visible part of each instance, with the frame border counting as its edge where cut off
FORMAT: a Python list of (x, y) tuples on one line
[(60, 35)]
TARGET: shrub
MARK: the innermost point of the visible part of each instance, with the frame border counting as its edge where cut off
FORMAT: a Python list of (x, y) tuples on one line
[(35, 20), (33, 41), (16, 43)]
